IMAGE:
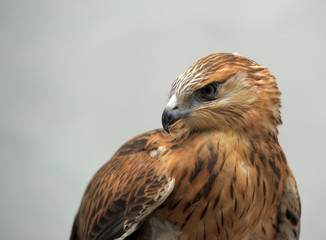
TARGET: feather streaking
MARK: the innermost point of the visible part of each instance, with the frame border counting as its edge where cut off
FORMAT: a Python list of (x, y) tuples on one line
[(219, 174)]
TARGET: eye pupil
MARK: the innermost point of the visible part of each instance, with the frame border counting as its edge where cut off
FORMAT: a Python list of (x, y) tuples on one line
[(208, 92)]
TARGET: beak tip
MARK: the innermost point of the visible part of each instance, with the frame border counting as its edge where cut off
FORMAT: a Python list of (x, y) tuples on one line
[(166, 129), (165, 122), (169, 117)]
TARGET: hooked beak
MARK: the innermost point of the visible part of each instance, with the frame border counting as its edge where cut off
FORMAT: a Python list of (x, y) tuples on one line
[(171, 113)]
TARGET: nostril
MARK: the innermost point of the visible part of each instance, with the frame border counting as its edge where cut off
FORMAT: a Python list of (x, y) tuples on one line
[(175, 108)]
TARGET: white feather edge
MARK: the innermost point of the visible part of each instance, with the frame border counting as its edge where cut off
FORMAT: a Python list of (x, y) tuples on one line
[(167, 193)]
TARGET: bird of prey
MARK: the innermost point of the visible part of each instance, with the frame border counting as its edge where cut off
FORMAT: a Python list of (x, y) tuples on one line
[(215, 171)]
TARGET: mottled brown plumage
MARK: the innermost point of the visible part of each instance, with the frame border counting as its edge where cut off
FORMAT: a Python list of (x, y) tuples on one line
[(219, 174)]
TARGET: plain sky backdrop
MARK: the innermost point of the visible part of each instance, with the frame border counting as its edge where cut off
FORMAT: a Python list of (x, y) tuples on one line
[(79, 78)]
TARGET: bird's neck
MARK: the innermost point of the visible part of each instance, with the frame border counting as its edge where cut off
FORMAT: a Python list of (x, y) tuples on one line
[(260, 133)]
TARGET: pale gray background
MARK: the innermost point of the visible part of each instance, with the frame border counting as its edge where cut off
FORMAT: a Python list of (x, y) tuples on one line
[(79, 78)]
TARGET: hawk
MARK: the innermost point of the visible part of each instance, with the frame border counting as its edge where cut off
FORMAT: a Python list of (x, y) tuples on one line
[(215, 171)]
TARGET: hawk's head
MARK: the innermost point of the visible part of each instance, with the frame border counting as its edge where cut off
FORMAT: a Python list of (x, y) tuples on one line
[(224, 91)]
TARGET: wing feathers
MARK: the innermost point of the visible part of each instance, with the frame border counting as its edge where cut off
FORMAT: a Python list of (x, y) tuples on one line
[(123, 192)]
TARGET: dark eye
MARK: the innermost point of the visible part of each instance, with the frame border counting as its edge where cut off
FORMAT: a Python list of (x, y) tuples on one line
[(208, 92)]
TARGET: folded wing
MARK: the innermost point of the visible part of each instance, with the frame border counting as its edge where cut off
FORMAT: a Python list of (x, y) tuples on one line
[(123, 192)]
